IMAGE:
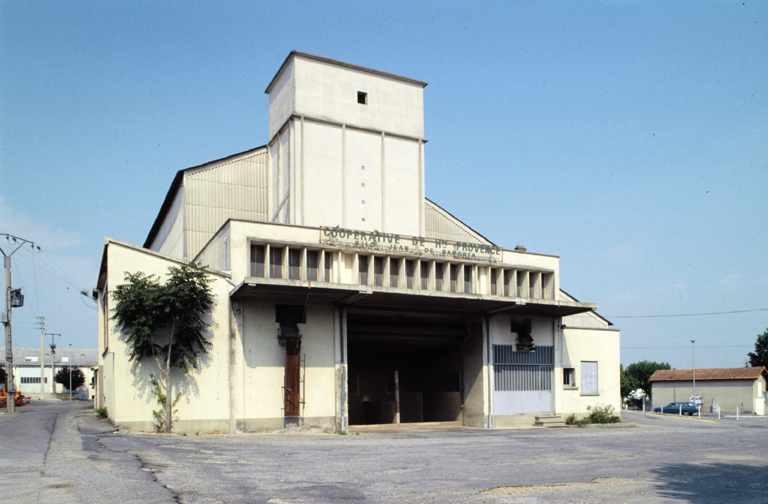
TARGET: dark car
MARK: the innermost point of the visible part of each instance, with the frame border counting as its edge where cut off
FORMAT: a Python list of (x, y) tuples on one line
[(687, 408)]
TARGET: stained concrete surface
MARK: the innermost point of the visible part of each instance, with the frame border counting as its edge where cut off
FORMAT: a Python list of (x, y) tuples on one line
[(64, 453)]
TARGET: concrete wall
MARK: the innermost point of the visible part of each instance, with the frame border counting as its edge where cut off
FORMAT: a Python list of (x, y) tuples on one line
[(264, 368), (593, 345), (127, 388), (328, 91), (729, 394)]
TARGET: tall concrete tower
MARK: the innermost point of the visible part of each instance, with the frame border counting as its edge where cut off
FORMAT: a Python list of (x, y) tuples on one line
[(346, 147)]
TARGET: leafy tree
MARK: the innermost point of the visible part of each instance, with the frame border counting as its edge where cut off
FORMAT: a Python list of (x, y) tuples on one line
[(760, 356), (62, 377), (639, 374), (627, 383), (164, 321)]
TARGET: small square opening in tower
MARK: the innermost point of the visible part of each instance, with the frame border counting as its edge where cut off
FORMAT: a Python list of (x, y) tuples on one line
[(362, 98)]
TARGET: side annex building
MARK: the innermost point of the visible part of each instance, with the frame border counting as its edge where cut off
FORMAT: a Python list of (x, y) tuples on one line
[(333, 274)]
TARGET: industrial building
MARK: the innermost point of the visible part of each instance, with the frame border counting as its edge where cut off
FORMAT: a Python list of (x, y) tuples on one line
[(29, 370), (334, 274), (727, 388)]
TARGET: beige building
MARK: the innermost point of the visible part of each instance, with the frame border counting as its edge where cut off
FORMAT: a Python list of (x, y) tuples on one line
[(730, 388), (333, 274)]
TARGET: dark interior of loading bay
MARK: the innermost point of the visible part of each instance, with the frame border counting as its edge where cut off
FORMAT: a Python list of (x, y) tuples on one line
[(427, 353)]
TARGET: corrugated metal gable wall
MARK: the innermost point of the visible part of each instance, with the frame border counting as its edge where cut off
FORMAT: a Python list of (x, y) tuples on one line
[(234, 190), (442, 226)]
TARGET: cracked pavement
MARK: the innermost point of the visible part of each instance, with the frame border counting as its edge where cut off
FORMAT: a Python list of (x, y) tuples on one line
[(60, 451)]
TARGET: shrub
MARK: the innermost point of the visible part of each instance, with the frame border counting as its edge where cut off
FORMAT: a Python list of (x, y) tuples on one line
[(602, 414), (102, 412)]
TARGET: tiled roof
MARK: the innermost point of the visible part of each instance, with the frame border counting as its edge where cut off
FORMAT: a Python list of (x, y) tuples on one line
[(745, 373)]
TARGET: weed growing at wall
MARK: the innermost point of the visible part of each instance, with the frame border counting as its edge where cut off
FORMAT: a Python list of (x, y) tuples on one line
[(159, 415)]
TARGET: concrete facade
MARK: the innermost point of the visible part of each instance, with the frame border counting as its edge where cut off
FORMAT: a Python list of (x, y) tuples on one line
[(325, 252)]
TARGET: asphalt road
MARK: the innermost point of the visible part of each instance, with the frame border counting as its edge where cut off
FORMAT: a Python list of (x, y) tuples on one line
[(60, 452)]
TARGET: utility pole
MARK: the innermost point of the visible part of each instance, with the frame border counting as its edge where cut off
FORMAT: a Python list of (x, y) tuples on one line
[(53, 354), (18, 301), (42, 357)]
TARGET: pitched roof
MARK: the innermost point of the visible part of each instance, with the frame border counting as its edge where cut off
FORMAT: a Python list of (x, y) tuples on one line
[(748, 373)]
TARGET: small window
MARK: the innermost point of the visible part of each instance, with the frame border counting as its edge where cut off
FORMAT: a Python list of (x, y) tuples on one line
[(378, 271), (569, 378), (467, 279), (439, 276), (493, 283), (362, 98), (394, 273), (424, 276), (257, 260), (362, 270), (327, 263), (454, 277), (294, 258), (275, 262), (409, 273), (312, 261)]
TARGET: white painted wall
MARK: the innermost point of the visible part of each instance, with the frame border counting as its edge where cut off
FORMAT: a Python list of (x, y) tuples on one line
[(328, 91)]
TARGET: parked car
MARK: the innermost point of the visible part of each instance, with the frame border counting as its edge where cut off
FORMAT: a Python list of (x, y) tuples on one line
[(687, 407)]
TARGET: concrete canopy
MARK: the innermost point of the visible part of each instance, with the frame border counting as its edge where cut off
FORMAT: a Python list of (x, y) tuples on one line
[(296, 292)]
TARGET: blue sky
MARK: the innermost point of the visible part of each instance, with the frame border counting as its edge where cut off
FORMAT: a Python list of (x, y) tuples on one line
[(630, 138)]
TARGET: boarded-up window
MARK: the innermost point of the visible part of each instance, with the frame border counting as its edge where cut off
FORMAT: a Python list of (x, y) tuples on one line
[(589, 377)]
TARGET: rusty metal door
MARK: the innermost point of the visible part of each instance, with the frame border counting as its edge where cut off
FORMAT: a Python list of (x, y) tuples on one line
[(292, 377)]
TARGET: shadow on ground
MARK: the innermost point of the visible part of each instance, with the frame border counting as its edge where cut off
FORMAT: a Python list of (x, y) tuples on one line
[(744, 480)]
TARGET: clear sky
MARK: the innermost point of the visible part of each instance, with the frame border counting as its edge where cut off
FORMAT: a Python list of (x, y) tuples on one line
[(630, 138)]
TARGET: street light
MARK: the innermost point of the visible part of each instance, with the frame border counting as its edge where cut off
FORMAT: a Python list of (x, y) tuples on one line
[(693, 359), (70, 374)]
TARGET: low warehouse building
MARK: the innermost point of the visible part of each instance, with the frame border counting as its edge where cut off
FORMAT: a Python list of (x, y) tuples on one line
[(334, 274), (730, 388)]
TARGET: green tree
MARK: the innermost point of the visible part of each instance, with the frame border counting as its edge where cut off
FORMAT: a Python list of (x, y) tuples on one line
[(639, 374), (760, 356), (165, 321), (627, 383), (62, 377)]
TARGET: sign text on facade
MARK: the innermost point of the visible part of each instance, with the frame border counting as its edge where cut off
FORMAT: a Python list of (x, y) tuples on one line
[(389, 242)]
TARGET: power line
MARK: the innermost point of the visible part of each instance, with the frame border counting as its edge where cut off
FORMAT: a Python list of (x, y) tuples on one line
[(682, 347), (686, 314)]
